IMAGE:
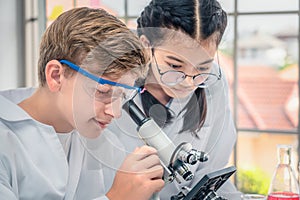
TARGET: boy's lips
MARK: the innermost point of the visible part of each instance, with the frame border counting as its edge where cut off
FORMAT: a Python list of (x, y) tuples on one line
[(103, 124)]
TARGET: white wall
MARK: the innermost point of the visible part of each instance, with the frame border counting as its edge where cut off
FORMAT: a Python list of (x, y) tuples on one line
[(21, 24), (34, 27), (11, 44)]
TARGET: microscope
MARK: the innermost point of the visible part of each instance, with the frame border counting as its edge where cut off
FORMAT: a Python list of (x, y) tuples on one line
[(176, 160)]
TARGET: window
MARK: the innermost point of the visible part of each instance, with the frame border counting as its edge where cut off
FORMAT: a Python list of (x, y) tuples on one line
[(260, 56)]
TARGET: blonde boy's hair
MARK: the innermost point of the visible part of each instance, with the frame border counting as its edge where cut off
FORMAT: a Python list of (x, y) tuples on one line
[(92, 37)]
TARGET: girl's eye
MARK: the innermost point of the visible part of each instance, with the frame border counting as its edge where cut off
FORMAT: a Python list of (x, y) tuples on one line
[(203, 69), (174, 66)]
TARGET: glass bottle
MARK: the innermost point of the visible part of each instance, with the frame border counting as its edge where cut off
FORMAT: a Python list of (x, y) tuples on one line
[(284, 185)]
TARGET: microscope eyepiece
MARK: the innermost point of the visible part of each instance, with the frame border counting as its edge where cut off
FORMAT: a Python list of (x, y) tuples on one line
[(135, 112)]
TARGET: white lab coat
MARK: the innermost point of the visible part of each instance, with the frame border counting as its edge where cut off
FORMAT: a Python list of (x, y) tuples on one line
[(33, 164), (217, 137)]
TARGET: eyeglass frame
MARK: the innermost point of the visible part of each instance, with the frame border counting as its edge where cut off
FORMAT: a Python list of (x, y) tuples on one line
[(99, 80), (186, 75)]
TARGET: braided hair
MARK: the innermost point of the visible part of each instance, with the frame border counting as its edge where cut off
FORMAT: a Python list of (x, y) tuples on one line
[(200, 19)]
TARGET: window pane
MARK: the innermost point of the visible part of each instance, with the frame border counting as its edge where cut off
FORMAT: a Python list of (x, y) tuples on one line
[(115, 7), (96, 4), (226, 44), (268, 72), (135, 7), (55, 7), (88, 3), (225, 54), (227, 5), (132, 24), (267, 5), (257, 159)]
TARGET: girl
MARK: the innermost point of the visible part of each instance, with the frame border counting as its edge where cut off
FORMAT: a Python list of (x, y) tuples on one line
[(185, 91)]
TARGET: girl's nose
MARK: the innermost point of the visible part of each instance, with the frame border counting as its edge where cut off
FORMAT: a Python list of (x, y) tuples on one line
[(188, 81)]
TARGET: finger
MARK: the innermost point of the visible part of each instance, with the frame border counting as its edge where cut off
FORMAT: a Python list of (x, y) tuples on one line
[(155, 172), (143, 152), (156, 185), (148, 162)]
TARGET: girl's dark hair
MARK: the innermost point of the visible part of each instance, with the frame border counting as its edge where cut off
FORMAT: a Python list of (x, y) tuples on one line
[(197, 18), (200, 19)]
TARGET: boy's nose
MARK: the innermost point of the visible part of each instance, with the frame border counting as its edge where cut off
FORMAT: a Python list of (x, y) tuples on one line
[(114, 108)]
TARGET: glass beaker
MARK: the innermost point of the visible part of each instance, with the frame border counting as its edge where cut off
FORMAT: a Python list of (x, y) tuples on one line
[(284, 185)]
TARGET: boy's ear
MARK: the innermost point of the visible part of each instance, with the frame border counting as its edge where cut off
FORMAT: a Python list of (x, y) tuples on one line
[(144, 40), (54, 74)]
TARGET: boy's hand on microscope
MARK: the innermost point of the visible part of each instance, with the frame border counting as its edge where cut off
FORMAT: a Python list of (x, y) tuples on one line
[(139, 176)]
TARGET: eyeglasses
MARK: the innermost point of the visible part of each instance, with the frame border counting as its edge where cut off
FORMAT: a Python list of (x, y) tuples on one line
[(173, 77), (103, 92)]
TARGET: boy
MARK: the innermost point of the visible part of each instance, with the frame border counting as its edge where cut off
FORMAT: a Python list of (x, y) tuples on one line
[(88, 63)]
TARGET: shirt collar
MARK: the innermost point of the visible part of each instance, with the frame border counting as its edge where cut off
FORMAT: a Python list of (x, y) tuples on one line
[(177, 104), (10, 111)]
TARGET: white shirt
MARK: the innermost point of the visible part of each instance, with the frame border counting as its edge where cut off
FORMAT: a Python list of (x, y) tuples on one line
[(217, 137), (100, 158), (33, 164), (65, 140)]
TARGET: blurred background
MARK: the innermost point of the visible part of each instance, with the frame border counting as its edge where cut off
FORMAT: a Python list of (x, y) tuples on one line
[(259, 53)]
